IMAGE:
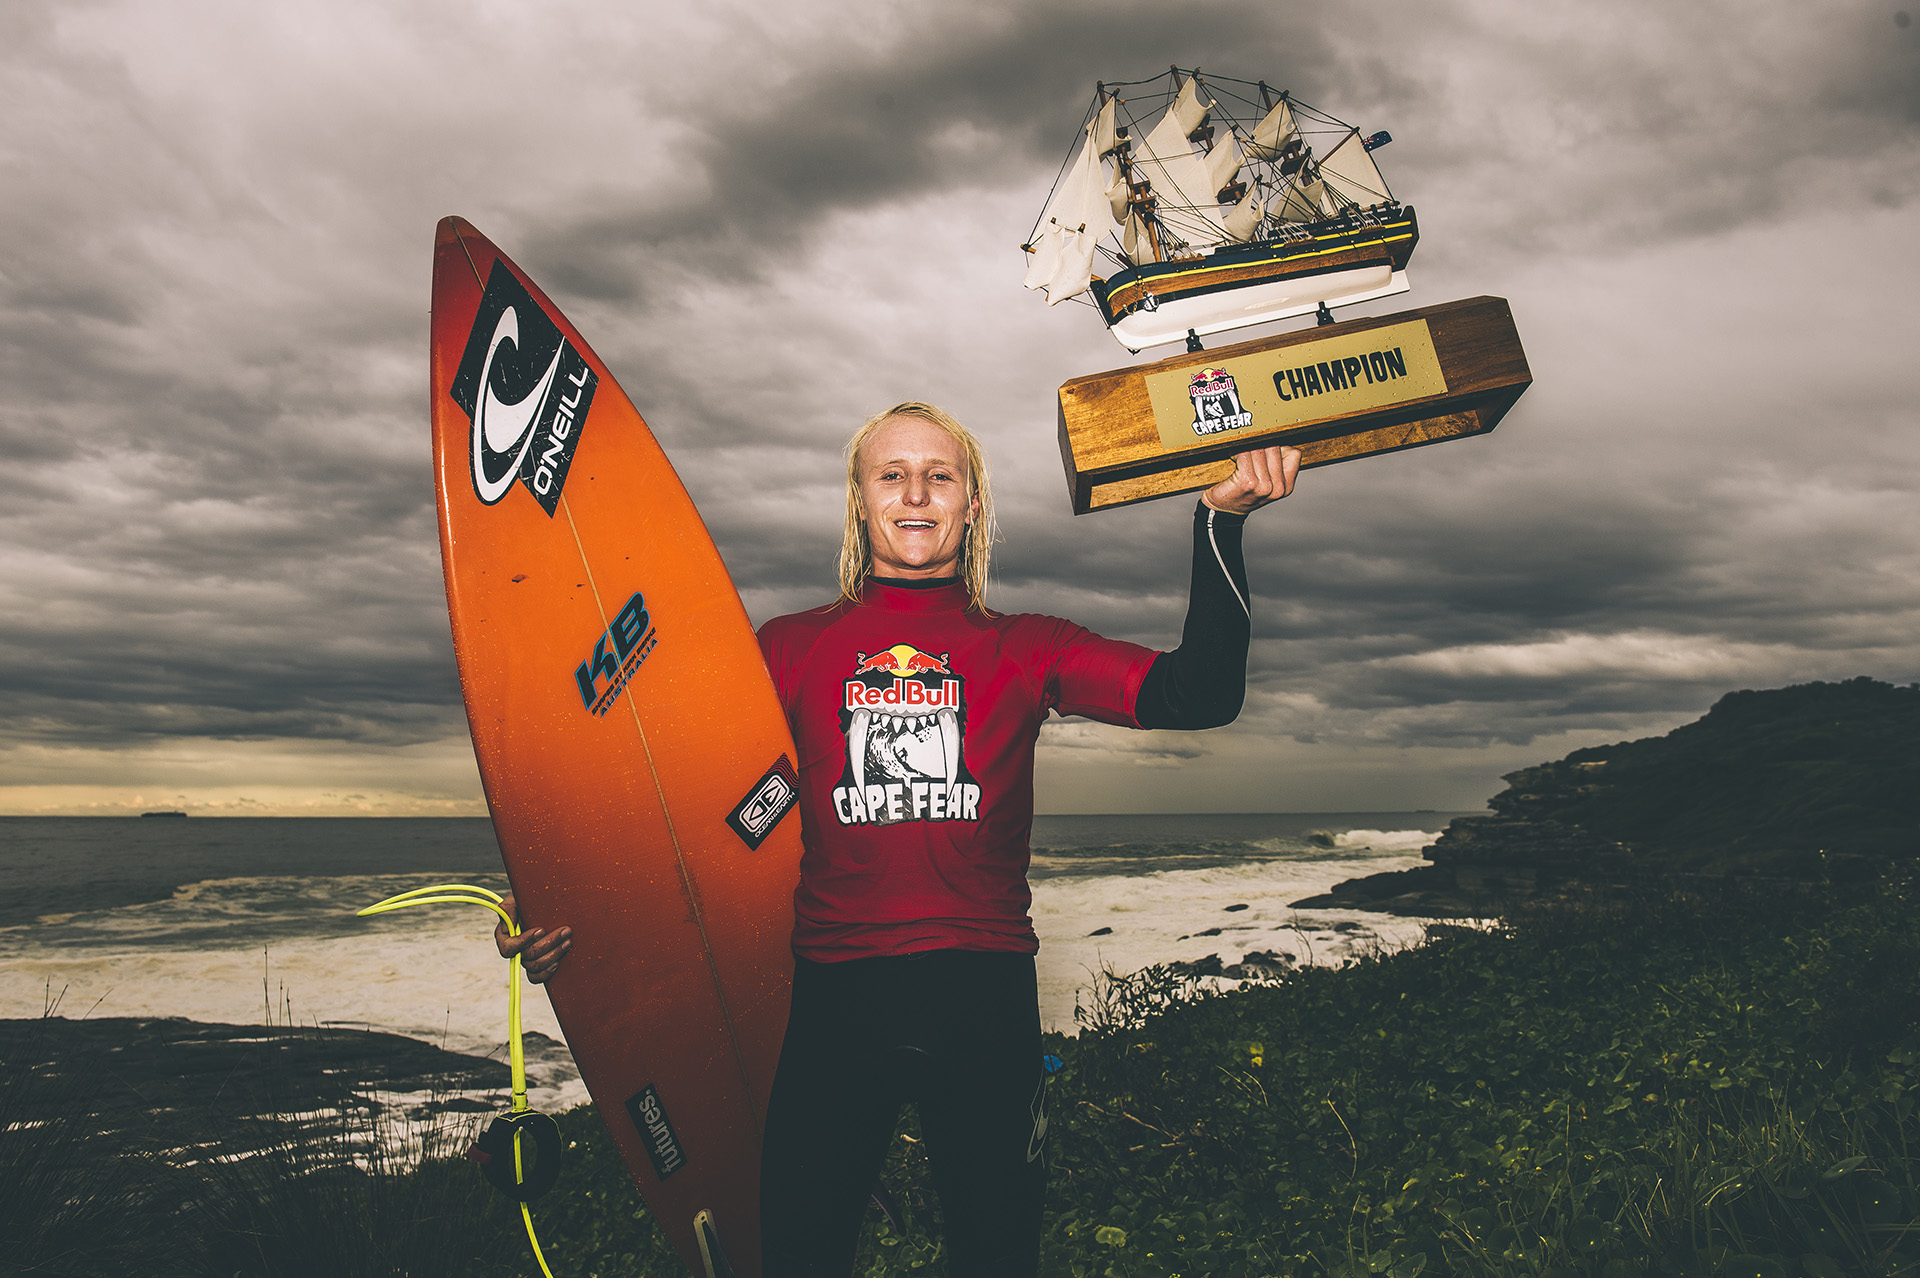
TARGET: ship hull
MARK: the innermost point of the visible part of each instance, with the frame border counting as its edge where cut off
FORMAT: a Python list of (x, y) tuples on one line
[(1237, 285)]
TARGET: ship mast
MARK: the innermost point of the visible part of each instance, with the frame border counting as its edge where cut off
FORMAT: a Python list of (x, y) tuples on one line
[(1140, 219)]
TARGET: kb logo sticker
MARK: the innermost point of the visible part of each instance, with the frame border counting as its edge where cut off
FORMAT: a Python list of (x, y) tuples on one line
[(629, 641), (526, 391)]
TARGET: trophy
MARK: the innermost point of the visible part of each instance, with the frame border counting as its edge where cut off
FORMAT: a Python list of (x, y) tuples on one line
[(1241, 206)]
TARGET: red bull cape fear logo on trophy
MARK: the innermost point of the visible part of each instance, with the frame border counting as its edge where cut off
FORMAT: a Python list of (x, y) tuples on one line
[(1195, 206), (1216, 403), (904, 715)]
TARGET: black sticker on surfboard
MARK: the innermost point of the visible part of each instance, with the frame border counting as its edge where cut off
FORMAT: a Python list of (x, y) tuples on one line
[(769, 800), (656, 1133), (526, 391)]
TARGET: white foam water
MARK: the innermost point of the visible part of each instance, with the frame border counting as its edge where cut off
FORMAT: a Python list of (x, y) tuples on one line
[(429, 973), (1385, 841), (267, 947), (285, 949), (1095, 923)]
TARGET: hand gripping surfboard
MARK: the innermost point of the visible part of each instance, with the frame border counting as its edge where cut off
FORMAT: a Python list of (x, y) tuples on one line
[(637, 764)]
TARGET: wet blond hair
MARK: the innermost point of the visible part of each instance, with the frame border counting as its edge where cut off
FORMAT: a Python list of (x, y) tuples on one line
[(856, 553)]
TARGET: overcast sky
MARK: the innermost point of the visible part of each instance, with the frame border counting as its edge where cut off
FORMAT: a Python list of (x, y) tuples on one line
[(221, 585)]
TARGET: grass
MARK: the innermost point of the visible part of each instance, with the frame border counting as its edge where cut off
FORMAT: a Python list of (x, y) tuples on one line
[(1688, 1086), (289, 1193), (67, 1191), (1695, 1086), (359, 1192)]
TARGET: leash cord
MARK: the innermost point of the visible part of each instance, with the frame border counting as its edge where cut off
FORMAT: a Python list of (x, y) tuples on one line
[(467, 894)]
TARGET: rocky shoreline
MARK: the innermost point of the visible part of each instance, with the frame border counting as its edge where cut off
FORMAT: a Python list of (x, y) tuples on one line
[(169, 1083), (1483, 865), (1800, 786)]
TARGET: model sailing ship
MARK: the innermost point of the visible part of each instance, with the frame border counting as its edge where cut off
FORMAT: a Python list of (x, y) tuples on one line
[(1239, 206)]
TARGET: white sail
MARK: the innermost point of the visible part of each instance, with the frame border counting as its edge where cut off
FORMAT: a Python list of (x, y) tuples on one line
[(1060, 260), (1274, 134), (1184, 196), (1119, 192), (1106, 134), (1244, 218), (1136, 241), (1302, 203), (1076, 217), (1352, 176), (1222, 163), (1075, 270), (1190, 108), (1043, 257)]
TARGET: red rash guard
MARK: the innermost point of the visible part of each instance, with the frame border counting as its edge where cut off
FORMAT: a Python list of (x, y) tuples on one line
[(915, 722)]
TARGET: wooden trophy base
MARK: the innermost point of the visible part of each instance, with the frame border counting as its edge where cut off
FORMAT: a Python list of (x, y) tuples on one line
[(1336, 392)]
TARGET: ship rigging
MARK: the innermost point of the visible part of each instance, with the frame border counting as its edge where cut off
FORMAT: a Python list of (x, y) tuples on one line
[(1238, 206)]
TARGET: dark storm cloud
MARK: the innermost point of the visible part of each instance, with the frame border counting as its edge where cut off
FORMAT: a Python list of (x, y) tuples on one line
[(1643, 122), (1619, 123), (218, 521), (956, 97), (217, 505)]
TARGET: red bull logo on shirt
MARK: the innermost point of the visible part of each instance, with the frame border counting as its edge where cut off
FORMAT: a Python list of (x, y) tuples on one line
[(902, 659), (904, 692), (904, 712)]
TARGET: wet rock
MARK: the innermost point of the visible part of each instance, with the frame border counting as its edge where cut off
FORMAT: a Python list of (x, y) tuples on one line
[(1208, 966), (179, 1083), (1259, 965)]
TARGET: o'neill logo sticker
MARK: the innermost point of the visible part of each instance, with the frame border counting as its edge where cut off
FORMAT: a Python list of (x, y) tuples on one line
[(1216, 403), (616, 655), (904, 713), (526, 391)]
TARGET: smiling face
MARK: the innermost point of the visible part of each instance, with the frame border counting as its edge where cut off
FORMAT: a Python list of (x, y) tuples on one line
[(915, 499)]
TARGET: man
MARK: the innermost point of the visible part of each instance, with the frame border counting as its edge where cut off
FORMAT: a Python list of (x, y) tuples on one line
[(915, 712)]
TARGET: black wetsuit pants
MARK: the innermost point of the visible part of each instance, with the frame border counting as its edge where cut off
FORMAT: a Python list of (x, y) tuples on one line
[(958, 1033)]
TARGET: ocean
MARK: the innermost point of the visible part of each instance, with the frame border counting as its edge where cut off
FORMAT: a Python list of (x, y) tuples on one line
[(251, 920)]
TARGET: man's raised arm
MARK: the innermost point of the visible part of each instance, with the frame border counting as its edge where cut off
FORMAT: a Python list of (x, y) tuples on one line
[(1203, 682)]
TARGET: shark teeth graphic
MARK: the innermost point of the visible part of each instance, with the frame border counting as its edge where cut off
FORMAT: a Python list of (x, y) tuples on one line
[(892, 725)]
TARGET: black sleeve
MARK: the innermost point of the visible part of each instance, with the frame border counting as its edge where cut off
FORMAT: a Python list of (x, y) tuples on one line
[(1202, 683)]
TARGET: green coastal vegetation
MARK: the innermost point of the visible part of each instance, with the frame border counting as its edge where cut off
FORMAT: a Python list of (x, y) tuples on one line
[(1688, 1042)]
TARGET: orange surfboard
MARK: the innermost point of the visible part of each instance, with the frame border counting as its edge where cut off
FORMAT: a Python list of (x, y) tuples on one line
[(637, 764)]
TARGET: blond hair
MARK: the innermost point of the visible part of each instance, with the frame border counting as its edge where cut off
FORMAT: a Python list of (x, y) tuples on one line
[(856, 553)]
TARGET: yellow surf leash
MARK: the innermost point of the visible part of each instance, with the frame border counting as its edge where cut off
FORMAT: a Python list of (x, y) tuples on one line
[(504, 1134)]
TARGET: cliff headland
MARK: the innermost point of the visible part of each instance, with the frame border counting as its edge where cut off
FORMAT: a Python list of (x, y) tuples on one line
[(1815, 783)]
